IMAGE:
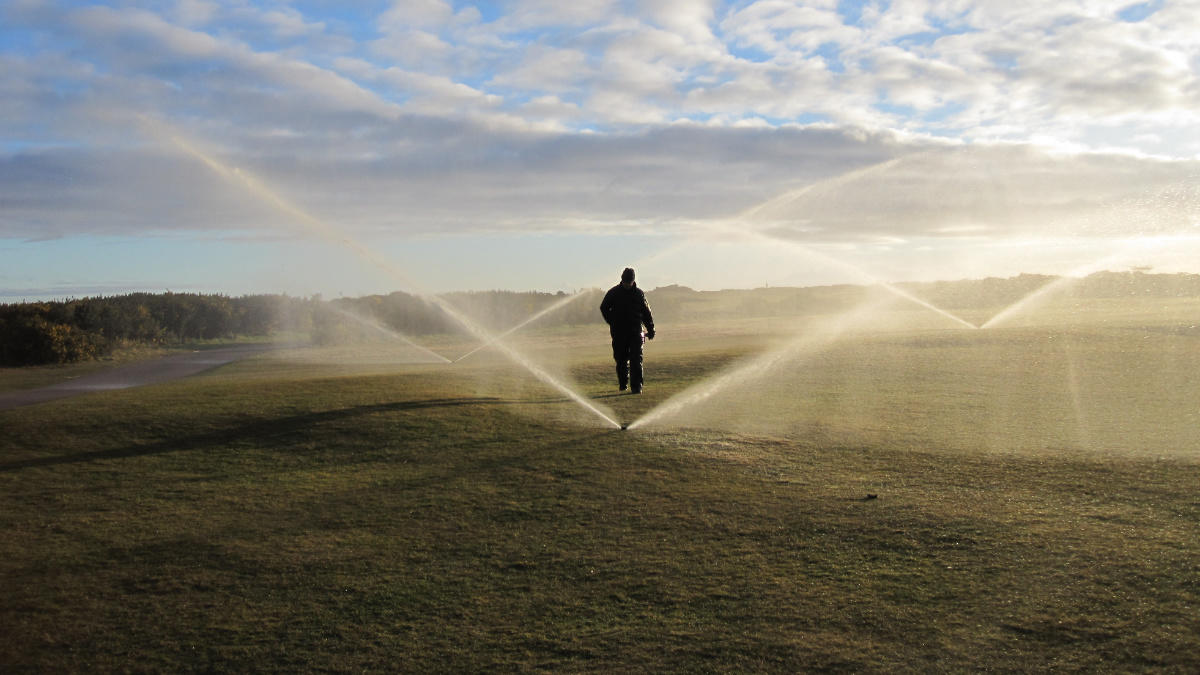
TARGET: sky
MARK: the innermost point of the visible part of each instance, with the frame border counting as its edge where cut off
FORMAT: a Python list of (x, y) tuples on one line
[(434, 145)]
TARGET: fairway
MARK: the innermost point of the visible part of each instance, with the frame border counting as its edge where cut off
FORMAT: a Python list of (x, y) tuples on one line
[(902, 494)]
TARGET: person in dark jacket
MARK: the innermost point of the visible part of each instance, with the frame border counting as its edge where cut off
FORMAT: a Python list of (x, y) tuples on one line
[(625, 311)]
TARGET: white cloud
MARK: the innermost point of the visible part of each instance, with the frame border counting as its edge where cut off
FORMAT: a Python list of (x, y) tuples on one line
[(614, 105), (415, 47), (780, 93), (548, 69), (690, 19), (1003, 191), (533, 14), (552, 109), (1011, 70), (405, 15), (685, 104), (779, 28), (142, 42), (435, 95), (289, 23), (195, 12), (897, 19)]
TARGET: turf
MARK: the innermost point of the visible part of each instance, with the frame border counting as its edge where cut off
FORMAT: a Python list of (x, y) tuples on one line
[(288, 514)]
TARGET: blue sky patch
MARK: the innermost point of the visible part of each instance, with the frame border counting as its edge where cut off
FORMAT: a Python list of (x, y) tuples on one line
[(895, 109), (945, 111), (832, 54), (751, 53), (1140, 11), (851, 10), (940, 29)]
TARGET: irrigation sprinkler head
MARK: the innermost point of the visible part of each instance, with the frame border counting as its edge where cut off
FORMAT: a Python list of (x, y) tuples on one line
[(624, 427)]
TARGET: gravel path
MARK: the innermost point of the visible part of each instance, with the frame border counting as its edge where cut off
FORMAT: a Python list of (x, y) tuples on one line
[(133, 375)]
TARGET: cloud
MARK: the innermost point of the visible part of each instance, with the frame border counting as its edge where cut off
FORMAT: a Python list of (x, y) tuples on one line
[(689, 19), (549, 69), (533, 14), (287, 23), (422, 175), (195, 12), (662, 114), (779, 29), (143, 46), (449, 177), (1010, 71), (994, 192), (406, 14), (433, 94)]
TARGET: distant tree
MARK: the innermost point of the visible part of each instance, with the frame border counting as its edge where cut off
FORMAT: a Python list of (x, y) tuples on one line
[(28, 339), (78, 329)]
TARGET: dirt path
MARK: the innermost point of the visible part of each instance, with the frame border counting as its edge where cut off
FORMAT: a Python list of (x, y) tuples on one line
[(133, 375)]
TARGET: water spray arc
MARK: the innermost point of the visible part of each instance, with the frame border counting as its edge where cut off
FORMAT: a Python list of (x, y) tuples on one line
[(835, 181), (515, 356), (559, 304), (737, 226), (553, 307), (726, 227), (808, 343), (329, 233), (394, 334), (1046, 291), (868, 278)]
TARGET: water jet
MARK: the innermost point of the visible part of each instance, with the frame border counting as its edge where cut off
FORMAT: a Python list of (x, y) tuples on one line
[(331, 234), (808, 343), (1036, 297), (735, 225), (394, 334)]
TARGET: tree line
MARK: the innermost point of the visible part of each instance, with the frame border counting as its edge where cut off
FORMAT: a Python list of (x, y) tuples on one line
[(66, 331), (52, 332), (78, 330)]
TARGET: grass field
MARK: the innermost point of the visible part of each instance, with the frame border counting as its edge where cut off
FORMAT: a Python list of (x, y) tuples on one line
[(33, 377), (905, 497)]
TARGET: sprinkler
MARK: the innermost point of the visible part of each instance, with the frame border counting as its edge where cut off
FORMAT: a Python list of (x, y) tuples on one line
[(624, 427)]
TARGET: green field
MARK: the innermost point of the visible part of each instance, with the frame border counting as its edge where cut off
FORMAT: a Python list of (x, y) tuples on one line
[(905, 495)]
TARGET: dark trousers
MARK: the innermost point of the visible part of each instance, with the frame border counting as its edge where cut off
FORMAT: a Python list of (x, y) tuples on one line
[(627, 352)]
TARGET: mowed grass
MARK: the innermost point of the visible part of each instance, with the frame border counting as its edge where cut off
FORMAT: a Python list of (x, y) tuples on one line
[(286, 515), (32, 377)]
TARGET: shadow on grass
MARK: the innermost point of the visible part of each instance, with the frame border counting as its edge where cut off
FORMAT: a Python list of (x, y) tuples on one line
[(258, 429)]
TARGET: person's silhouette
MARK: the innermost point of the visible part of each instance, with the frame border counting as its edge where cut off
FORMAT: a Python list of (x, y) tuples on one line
[(625, 311)]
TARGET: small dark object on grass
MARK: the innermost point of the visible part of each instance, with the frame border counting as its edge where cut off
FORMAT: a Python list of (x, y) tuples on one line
[(871, 496), (624, 427)]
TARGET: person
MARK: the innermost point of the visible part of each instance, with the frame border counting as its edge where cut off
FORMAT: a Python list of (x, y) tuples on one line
[(625, 311)]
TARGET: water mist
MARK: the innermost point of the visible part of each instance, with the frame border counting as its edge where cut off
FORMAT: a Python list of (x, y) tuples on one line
[(394, 334), (811, 342), (326, 231)]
